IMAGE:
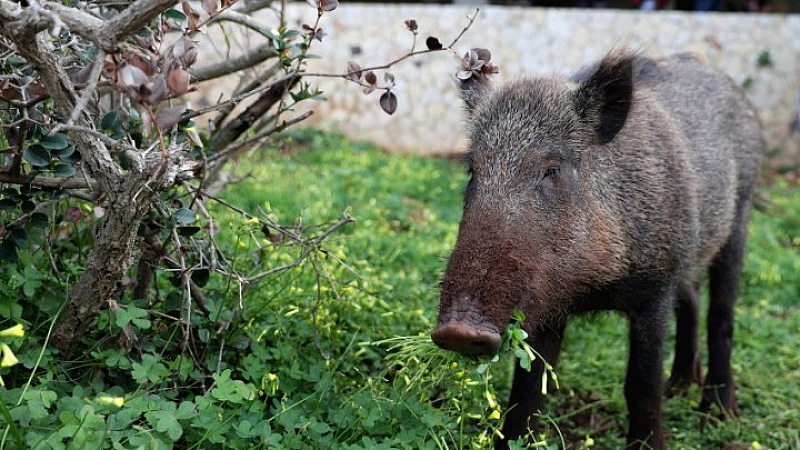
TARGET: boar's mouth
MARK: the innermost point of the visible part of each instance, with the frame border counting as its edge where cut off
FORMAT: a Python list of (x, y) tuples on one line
[(463, 328), (466, 339)]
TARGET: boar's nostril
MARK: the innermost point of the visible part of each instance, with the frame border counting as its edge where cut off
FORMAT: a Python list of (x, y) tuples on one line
[(466, 340)]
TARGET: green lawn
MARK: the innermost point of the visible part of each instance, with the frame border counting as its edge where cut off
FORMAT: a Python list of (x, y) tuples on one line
[(376, 279)]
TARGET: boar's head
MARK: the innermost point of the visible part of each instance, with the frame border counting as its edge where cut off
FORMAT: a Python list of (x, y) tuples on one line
[(538, 229)]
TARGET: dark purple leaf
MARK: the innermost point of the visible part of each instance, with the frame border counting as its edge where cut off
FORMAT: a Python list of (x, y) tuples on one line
[(193, 17), (168, 117), (178, 81), (189, 57), (411, 24), (210, 6), (80, 77), (476, 62), (354, 71), (142, 42), (185, 50), (73, 214), (483, 54), (9, 92), (433, 43), (130, 76), (317, 33), (158, 90), (490, 69), (389, 102), (370, 77), (328, 5), (35, 89), (464, 74), (146, 65)]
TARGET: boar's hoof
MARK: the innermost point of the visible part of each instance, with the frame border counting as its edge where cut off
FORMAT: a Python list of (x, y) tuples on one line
[(466, 340)]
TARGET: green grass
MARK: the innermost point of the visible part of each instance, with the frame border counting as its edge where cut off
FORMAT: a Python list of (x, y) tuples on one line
[(377, 280)]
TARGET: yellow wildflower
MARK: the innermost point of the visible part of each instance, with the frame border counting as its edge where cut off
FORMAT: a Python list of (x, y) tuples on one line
[(15, 331)]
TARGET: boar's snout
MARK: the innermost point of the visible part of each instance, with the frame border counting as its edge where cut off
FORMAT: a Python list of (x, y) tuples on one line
[(462, 338)]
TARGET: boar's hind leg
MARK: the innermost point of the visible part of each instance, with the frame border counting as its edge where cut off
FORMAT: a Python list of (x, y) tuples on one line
[(526, 392), (724, 274), (643, 381), (686, 365)]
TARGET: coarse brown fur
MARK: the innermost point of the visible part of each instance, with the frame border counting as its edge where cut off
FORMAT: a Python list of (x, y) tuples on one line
[(610, 190)]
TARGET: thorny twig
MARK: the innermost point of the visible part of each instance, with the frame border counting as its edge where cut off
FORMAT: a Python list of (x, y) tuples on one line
[(86, 95), (257, 139), (470, 21), (317, 303), (239, 98), (309, 247), (265, 221)]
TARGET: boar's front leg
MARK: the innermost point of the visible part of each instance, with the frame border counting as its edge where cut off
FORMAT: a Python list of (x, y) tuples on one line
[(643, 382), (526, 392)]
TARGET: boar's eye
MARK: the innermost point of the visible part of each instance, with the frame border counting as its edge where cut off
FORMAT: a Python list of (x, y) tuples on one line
[(551, 172)]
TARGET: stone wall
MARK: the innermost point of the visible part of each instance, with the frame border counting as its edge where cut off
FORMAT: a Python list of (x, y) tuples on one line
[(429, 119)]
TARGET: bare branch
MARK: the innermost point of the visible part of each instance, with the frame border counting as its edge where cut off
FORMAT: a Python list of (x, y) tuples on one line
[(133, 18), (26, 22), (88, 91), (234, 100), (309, 247), (249, 116), (248, 7), (195, 291), (470, 21), (263, 221), (106, 34), (224, 155), (242, 19), (53, 183), (116, 144), (229, 66)]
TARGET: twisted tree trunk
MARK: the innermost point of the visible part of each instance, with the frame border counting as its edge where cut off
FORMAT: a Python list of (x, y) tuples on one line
[(112, 255), (129, 199)]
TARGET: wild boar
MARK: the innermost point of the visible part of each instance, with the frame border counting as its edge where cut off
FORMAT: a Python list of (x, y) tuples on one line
[(610, 190)]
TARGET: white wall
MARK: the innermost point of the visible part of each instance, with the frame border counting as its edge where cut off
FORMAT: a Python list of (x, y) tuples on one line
[(533, 40)]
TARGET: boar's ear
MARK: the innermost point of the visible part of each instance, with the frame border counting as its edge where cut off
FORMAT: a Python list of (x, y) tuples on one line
[(604, 96), (473, 76)]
